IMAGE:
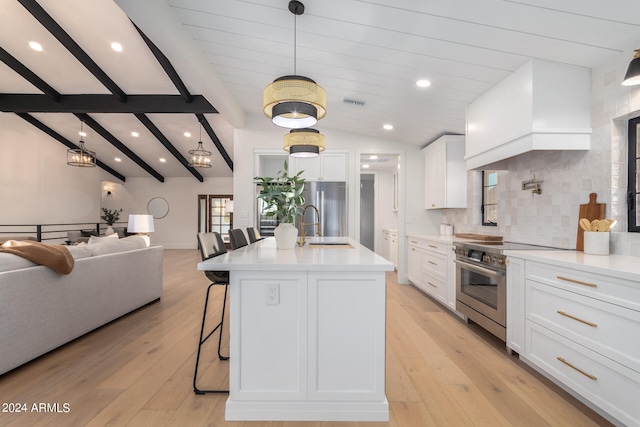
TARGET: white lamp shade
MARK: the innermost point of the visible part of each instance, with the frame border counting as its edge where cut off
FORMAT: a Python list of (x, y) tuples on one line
[(140, 224), (228, 207)]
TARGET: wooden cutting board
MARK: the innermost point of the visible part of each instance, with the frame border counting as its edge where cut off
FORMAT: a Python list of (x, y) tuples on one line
[(479, 237), (591, 211)]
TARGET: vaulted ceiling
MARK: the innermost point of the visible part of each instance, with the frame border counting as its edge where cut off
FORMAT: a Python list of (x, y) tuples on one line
[(226, 52)]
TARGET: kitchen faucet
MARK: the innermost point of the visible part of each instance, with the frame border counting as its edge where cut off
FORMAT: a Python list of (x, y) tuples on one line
[(301, 240)]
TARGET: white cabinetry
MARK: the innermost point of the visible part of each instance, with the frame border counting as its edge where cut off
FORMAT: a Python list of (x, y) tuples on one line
[(431, 268), (390, 246), (543, 105), (445, 177), (328, 166), (579, 329)]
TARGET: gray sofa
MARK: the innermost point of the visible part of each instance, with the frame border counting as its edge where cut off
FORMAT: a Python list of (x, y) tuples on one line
[(41, 310)]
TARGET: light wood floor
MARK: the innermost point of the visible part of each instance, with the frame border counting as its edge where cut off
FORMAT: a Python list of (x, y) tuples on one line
[(138, 370)]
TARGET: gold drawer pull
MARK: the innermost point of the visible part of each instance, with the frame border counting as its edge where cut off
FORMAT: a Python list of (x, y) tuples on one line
[(592, 285), (432, 246), (432, 284), (431, 262), (562, 313), (413, 249), (591, 377)]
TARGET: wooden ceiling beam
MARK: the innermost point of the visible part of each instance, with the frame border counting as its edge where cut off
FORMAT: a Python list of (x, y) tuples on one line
[(28, 75)]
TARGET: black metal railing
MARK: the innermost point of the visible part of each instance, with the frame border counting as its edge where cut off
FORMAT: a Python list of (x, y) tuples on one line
[(54, 233)]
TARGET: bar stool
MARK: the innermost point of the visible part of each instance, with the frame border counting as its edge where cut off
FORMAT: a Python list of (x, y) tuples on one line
[(254, 235), (237, 239), (211, 245)]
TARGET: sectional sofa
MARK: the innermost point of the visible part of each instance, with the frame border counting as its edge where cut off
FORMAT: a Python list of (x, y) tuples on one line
[(41, 310)]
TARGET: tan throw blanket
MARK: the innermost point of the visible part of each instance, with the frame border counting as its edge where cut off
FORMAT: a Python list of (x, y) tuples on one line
[(56, 257)]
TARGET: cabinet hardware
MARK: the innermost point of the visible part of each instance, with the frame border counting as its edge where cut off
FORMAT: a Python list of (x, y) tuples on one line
[(413, 249), (592, 285), (432, 246), (562, 313), (433, 263), (591, 377), (429, 283), (413, 241)]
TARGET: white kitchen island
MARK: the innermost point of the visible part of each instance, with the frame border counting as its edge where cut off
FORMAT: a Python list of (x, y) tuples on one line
[(307, 332)]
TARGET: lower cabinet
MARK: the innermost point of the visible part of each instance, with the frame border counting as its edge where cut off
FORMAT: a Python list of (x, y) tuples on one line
[(391, 246), (431, 268), (580, 329)]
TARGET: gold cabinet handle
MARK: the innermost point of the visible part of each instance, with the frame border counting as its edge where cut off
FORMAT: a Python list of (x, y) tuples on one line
[(433, 246), (413, 249), (432, 284), (413, 241), (562, 313), (592, 285), (591, 377), (432, 263)]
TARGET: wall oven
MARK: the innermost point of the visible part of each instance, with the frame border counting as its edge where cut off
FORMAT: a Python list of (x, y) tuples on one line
[(481, 282)]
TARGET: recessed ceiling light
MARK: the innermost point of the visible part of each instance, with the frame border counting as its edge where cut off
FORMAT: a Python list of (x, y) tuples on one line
[(387, 126), (35, 46), (365, 166), (374, 157), (81, 133), (187, 134), (162, 160), (117, 159), (116, 46), (135, 134), (423, 83)]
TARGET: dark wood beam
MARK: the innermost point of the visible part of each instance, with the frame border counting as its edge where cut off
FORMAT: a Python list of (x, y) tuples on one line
[(28, 75), (63, 37), (119, 145), (35, 103), (168, 145), (207, 127), (166, 66), (53, 134)]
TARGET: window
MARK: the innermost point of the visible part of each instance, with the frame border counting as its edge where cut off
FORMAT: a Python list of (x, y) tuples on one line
[(633, 186), (489, 207)]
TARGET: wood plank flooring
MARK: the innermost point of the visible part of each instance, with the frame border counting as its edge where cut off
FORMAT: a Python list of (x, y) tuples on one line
[(138, 370)]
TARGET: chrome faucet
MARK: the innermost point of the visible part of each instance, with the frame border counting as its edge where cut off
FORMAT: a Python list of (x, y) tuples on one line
[(301, 239)]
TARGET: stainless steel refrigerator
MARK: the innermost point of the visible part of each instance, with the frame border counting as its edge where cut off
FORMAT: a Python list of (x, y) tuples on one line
[(330, 198)]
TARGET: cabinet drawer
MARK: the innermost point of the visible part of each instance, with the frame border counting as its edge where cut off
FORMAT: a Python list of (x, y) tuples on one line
[(435, 262), (435, 286), (604, 383), (605, 328), (441, 248), (617, 291)]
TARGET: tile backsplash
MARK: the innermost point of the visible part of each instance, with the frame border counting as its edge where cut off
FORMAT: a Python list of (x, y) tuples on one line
[(566, 177)]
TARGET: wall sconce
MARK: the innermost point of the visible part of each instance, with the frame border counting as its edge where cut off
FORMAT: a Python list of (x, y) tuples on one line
[(532, 183)]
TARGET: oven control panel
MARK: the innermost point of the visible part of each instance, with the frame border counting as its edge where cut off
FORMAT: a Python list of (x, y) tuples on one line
[(465, 254)]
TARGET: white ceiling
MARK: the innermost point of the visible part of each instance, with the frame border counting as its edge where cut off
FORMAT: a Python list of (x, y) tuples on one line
[(368, 50)]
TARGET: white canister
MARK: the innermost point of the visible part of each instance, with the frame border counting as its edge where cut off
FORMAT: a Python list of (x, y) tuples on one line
[(448, 230), (596, 242), (443, 229)]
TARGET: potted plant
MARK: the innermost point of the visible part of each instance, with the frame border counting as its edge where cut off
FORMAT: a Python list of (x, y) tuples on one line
[(110, 217), (283, 199)]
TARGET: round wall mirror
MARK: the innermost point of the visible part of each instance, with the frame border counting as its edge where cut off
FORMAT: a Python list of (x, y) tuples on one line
[(158, 207)]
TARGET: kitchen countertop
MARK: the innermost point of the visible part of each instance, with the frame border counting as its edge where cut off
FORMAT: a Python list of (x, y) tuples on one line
[(264, 256), (620, 266)]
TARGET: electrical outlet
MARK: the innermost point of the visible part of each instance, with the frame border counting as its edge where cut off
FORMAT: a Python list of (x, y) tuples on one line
[(273, 294)]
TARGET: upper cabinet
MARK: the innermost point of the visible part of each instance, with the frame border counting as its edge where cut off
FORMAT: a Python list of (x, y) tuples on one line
[(544, 105), (328, 166), (445, 176)]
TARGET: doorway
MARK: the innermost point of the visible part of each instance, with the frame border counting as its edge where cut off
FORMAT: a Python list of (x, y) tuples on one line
[(215, 213), (367, 210)]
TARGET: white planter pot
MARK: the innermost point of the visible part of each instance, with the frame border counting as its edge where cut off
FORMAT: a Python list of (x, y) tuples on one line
[(109, 231), (286, 234)]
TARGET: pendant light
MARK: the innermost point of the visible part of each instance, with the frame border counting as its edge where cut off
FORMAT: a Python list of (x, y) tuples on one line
[(200, 158), (294, 101), (632, 77), (80, 156), (304, 142)]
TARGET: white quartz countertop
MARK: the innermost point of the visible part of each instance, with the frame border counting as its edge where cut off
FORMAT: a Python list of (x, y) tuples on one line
[(621, 266), (264, 256), (433, 237)]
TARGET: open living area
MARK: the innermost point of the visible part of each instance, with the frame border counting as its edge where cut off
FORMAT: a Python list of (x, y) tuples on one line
[(319, 213)]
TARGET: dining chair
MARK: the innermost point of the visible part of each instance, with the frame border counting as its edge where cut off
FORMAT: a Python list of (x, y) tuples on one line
[(254, 235), (211, 245), (237, 239)]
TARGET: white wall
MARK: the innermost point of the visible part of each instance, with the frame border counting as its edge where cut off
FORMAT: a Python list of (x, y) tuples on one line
[(36, 184), (567, 177)]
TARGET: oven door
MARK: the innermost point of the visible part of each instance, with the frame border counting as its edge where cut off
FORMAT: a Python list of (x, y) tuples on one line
[(482, 289)]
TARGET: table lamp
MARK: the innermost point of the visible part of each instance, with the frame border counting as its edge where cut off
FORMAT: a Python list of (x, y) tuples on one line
[(141, 225)]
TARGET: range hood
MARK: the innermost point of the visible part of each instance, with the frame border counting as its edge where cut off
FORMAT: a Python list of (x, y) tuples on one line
[(543, 105)]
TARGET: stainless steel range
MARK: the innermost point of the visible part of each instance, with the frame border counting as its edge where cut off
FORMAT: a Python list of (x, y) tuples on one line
[(481, 282)]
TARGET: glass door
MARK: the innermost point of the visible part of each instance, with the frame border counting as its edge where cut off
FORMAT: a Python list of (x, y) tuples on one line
[(215, 213)]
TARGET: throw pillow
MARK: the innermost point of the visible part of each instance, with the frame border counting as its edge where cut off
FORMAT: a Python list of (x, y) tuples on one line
[(95, 239)]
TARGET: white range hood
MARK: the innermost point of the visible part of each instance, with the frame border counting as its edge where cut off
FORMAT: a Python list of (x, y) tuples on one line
[(543, 105)]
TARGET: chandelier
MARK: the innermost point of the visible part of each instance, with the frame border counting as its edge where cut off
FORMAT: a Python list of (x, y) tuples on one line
[(200, 158), (80, 156), (294, 101)]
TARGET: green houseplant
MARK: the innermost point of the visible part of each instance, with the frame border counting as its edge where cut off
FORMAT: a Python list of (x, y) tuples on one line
[(110, 217), (283, 199)]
